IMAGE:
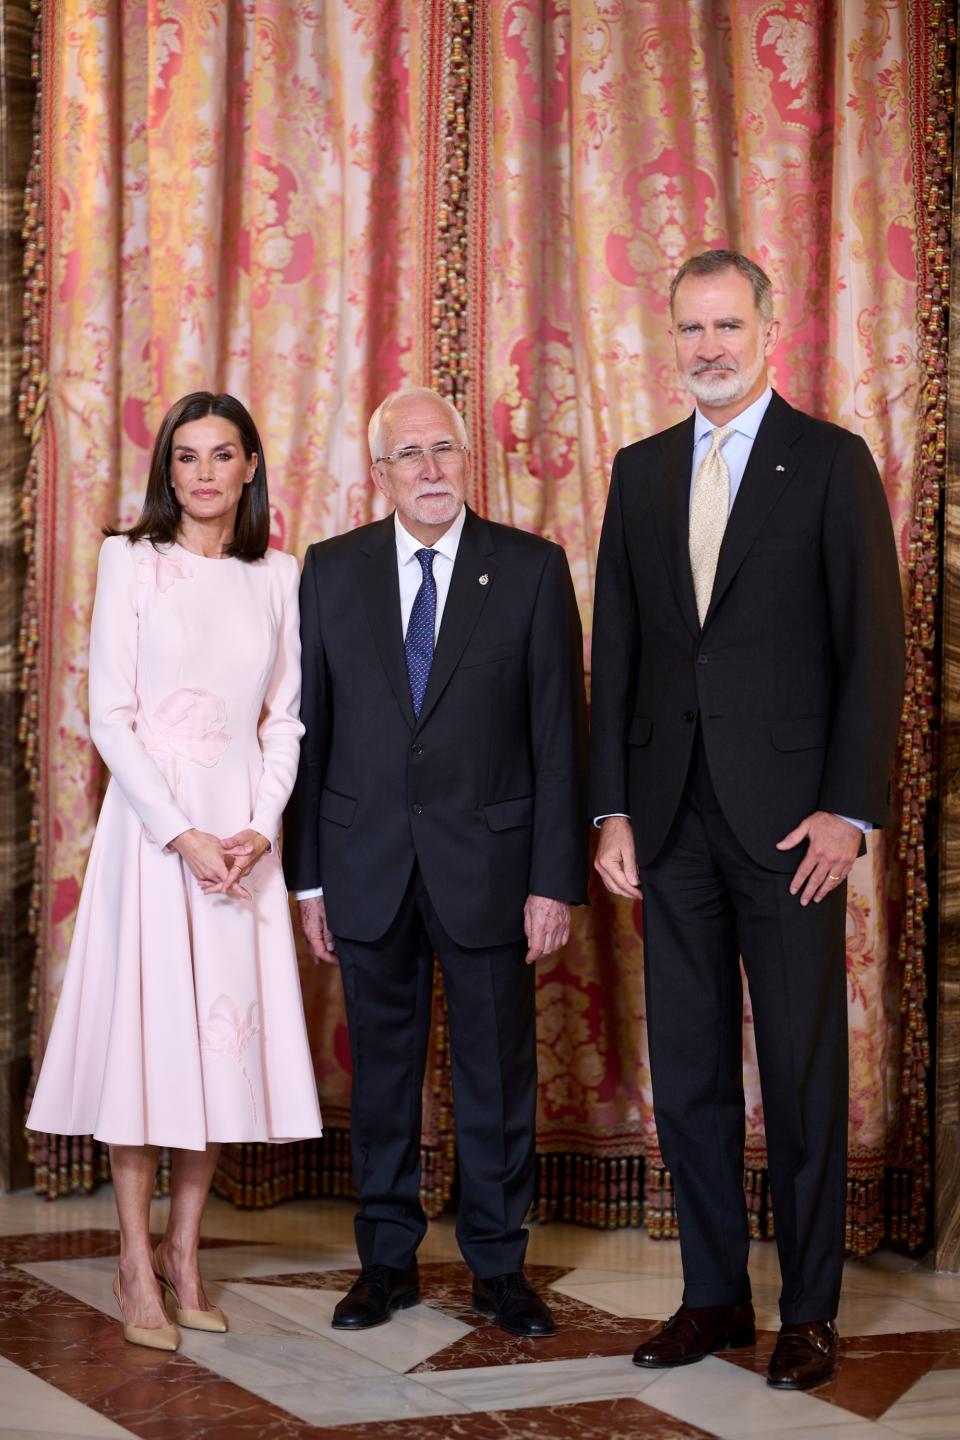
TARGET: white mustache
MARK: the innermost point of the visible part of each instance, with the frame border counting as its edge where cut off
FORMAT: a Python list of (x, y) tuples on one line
[(727, 369)]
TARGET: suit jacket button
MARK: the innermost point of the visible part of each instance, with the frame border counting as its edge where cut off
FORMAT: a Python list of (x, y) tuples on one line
[(417, 809), (703, 659), (689, 716), (417, 748)]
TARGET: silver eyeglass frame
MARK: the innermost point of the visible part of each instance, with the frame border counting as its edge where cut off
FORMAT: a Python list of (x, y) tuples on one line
[(407, 453)]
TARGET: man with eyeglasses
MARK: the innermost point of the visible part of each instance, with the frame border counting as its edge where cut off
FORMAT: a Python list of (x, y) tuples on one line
[(439, 810)]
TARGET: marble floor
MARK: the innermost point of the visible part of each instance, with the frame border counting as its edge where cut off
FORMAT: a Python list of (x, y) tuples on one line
[(438, 1370)]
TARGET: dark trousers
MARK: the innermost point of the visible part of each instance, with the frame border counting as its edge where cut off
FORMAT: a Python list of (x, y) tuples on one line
[(490, 1005), (705, 904)]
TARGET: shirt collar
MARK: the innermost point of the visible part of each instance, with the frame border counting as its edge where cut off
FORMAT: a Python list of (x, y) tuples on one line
[(408, 545), (746, 423)]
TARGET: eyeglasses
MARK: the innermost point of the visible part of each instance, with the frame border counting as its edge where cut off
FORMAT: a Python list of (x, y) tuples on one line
[(444, 452)]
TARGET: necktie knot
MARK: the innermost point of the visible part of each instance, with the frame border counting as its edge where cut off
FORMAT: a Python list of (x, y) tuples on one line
[(426, 561), (718, 436)]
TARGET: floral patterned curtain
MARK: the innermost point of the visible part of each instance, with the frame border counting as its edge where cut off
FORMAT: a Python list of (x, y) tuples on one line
[(623, 138), (308, 204)]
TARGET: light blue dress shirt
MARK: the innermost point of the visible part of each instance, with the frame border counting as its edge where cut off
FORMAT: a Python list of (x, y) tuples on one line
[(736, 448)]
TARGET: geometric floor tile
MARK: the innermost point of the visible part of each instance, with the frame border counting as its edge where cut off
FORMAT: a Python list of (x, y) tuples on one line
[(438, 1371), (930, 1408), (875, 1371), (30, 1406)]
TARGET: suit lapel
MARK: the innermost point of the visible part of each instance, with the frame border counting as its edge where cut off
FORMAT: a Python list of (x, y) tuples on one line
[(380, 586), (772, 465), (465, 600), (670, 497)]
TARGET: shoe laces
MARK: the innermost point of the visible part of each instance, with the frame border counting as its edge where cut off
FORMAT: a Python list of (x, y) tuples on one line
[(516, 1283), (681, 1319), (377, 1276)]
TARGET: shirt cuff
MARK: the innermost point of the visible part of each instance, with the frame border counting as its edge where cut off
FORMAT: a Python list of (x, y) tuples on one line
[(309, 894), (614, 815), (865, 825)]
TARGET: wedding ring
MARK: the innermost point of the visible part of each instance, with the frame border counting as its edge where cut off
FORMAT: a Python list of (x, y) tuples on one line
[(834, 877)]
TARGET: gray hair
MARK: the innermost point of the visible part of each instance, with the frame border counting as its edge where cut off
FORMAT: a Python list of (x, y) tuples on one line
[(375, 428), (710, 262)]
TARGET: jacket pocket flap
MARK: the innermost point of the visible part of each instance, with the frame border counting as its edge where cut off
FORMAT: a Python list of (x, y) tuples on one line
[(508, 814), (340, 809), (788, 540), (486, 655), (640, 728), (808, 733)]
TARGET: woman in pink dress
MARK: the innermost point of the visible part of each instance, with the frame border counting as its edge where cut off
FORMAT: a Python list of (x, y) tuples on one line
[(180, 1021)]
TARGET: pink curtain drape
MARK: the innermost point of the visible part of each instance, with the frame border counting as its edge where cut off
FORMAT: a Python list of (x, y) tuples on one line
[(310, 204), (622, 139), (228, 194)]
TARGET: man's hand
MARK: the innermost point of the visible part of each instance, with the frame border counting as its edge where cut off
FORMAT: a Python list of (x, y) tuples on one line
[(546, 924), (313, 919), (616, 860), (834, 845)]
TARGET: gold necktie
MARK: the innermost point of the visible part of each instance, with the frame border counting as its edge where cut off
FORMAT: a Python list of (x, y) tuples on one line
[(709, 506)]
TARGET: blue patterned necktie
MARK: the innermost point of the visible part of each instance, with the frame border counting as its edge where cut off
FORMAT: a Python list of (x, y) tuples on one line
[(421, 627)]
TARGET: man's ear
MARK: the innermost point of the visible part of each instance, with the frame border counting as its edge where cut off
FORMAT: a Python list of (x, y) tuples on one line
[(377, 476), (772, 338)]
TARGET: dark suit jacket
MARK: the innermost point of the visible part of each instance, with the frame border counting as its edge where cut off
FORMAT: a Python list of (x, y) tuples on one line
[(796, 678), (486, 791)]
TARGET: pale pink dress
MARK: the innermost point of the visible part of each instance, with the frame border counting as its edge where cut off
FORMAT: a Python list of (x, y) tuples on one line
[(180, 1020)]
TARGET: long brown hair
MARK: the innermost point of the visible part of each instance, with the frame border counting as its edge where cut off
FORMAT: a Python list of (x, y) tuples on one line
[(159, 519)]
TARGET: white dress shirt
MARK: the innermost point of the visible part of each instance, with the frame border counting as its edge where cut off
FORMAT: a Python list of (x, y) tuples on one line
[(410, 576), (736, 452)]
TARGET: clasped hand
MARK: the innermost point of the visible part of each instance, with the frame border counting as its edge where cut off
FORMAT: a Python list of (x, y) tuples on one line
[(220, 865)]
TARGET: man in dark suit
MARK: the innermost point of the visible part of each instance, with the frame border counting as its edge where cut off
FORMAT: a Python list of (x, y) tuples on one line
[(747, 679), (440, 805)]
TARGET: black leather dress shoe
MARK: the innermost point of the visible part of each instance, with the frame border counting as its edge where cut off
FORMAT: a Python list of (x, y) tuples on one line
[(378, 1290), (512, 1301), (804, 1356), (695, 1332)]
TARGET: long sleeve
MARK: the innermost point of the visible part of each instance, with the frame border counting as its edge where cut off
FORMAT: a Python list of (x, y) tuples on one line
[(280, 728), (866, 615), (114, 640), (558, 732), (615, 660), (301, 849)]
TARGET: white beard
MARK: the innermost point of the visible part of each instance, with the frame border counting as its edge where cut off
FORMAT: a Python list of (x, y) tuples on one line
[(726, 388)]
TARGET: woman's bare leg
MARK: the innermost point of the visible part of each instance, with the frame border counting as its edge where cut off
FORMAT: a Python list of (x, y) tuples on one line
[(189, 1187), (134, 1171)]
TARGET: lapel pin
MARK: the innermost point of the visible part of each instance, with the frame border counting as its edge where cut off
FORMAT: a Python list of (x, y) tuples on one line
[(484, 580), (780, 468)]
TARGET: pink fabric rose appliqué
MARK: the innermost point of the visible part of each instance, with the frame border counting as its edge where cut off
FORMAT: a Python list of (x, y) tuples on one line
[(228, 1032), (192, 724), (167, 568)]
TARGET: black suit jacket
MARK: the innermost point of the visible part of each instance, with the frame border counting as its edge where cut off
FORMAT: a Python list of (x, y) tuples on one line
[(487, 789), (797, 675)]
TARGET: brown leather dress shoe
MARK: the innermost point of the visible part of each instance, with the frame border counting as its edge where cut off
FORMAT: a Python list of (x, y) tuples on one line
[(695, 1332), (804, 1356)]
